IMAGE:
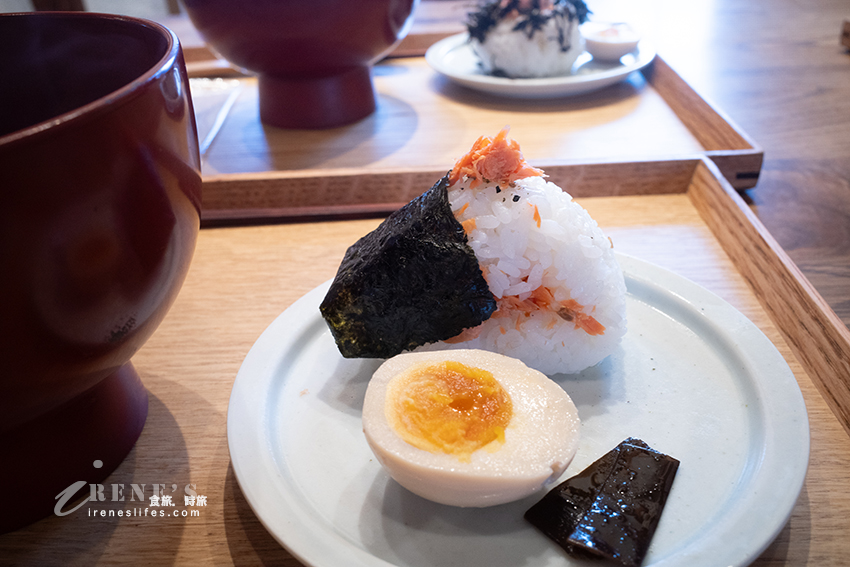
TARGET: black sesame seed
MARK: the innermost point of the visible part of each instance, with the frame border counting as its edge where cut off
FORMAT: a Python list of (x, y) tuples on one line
[(516, 198)]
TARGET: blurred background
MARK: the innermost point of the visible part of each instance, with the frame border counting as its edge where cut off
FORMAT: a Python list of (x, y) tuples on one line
[(152, 9)]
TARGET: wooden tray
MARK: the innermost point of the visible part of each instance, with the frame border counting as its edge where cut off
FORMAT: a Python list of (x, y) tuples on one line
[(812, 329), (424, 123), (679, 214)]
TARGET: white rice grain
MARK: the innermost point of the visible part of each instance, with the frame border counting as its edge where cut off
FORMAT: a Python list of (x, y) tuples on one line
[(514, 54), (568, 254)]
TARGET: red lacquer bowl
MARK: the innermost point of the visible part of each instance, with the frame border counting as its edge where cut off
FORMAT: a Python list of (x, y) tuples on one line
[(313, 58), (100, 187)]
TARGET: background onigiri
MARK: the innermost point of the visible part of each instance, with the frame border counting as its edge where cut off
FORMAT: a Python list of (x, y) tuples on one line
[(527, 38)]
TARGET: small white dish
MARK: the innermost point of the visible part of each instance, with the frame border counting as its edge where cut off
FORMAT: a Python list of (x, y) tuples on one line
[(694, 378), (609, 41), (454, 58)]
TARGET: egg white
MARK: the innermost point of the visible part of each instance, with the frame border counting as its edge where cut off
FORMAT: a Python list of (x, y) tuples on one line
[(540, 441)]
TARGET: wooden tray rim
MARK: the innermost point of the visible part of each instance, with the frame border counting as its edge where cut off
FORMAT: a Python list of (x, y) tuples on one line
[(814, 333), (738, 157)]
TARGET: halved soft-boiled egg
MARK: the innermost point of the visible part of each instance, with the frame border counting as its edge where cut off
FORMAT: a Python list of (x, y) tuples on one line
[(469, 427)]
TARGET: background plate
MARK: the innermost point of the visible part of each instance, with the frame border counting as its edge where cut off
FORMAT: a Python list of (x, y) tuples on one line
[(453, 57), (694, 378)]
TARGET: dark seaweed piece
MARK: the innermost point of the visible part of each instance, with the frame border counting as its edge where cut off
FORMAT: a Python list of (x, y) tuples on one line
[(612, 508), (530, 19), (563, 507), (413, 280), (480, 23)]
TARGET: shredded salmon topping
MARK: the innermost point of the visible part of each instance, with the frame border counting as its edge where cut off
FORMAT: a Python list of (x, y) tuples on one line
[(493, 160), (571, 310), (537, 218), (541, 299)]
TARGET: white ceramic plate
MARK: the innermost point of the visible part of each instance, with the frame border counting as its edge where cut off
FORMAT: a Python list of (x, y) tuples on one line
[(453, 57), (694, 378)]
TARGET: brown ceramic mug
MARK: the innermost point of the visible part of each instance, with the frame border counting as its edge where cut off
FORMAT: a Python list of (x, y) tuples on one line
[(101, 188), (313, 57)]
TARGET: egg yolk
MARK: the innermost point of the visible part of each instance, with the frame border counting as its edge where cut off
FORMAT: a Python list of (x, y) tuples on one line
[(449, 407)]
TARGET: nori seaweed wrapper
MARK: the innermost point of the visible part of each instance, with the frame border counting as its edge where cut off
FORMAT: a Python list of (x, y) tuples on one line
[(413, 280), (611, 509)]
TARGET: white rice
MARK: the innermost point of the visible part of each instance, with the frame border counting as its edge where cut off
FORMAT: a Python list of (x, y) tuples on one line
[(516, 55), (568, 253)]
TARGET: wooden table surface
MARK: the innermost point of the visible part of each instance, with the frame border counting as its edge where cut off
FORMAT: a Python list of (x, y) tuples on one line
[(776, 67), (779, 70)]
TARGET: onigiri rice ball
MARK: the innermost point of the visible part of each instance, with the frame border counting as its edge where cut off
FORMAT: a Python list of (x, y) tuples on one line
[(559, 289)]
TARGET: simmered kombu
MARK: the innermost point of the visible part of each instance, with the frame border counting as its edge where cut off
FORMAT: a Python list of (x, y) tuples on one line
[(612, 508), (413, 280)]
